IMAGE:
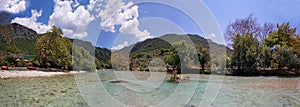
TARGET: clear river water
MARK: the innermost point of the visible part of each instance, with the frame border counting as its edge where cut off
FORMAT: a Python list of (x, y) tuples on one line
[(143, 89)]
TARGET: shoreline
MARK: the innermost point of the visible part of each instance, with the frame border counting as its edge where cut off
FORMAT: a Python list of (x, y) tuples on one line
[(4, 74)]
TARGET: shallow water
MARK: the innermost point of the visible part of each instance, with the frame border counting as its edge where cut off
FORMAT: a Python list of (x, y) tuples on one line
[(145, 89)]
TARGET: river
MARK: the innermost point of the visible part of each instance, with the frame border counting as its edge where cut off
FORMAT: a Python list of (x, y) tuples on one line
[(149, 89)]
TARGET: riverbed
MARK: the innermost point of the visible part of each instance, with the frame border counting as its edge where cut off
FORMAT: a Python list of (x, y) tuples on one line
[(149, 89)]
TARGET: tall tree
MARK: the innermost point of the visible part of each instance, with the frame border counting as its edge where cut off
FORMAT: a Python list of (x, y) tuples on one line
[(245, 52), (245, 26), (53, 49), (203, 55)]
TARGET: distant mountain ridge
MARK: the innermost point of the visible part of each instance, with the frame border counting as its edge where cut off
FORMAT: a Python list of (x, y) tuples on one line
[(16, 30), (141, 53), (166, 40), (19, 39)]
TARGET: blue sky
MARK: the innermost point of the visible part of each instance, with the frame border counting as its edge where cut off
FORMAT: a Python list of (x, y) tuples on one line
[(115, 23)]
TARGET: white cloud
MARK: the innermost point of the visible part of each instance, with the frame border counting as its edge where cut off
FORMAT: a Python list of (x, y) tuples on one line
[(212, 35), (12, 6), (73, 23), (31, 22), (95, 5), (117, 12), (120, 46)]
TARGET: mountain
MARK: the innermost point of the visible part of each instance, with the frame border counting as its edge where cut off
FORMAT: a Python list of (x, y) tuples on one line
[(102, 54), (16, 38), (141, 53)]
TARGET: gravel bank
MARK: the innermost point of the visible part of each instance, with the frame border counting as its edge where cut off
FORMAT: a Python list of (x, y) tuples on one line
[(17, 74)]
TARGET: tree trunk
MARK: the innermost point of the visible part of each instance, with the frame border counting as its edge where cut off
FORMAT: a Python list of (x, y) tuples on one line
[(202, 66)]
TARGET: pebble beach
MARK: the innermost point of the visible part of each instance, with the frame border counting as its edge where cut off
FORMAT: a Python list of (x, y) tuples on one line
[(4, 74)]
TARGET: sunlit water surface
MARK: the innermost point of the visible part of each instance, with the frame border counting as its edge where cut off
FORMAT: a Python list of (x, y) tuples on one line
[(144, 91)]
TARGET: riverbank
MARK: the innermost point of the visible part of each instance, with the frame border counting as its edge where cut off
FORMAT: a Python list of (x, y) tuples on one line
[(4, 74)]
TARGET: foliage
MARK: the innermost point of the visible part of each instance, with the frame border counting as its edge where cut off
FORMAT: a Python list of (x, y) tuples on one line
[(296, 44), (174, 60), (120, 61), (245, 53), (282, 55), (203, 55), (173, 49), (82, 60), (265, 57), (185, 51), (282, 36), (17, 39), (12, 49), (54, 49), (103, 64)]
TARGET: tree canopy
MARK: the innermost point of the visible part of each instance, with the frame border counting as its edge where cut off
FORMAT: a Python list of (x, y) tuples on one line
[(53, 50)]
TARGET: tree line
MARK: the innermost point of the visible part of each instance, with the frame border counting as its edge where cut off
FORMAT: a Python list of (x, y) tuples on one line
[(262, 47), (55, 51)]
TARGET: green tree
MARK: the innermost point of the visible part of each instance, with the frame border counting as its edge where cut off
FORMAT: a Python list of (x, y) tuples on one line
[(185, 52), (245, 53), (282, 55), (12, 49), (282, 36), (203, 55), (266, 57), (54, 49), (283, 44), (252, 57), (174, 60), (296, 44)]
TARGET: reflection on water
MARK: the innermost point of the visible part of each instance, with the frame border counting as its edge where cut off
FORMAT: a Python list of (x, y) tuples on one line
[(235, 91)]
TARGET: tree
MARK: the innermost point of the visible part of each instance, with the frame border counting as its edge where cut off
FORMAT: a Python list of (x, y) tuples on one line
[(245, 53), (265, 57), (185, 53), (266, 30), (53, 49), (282, 55), (203, 55), (252, 55), (245, 26), (283, 44), (282, 36), (296, 44), (174, 60), (294, 62)]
